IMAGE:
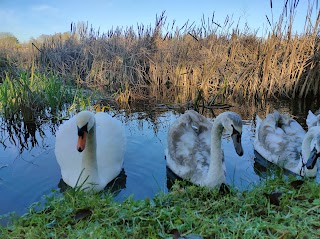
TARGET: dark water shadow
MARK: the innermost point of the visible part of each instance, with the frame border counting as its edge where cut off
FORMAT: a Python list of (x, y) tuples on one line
[(265, 169), (114, 186), (172, 177)]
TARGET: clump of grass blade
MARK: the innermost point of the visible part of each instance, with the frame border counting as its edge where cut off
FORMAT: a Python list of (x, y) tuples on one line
[(189, 209), (34, 91)]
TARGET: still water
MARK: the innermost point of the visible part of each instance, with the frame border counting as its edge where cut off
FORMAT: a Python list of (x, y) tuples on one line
[(28, 168)]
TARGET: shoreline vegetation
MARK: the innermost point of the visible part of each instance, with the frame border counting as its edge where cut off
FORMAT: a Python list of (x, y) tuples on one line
[(277, 208), (165, 63)]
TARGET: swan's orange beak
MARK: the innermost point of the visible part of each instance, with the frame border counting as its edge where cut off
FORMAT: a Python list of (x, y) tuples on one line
[(81, 145)]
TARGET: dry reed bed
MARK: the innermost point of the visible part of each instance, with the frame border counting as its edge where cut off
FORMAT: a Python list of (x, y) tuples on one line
[(167, 63)]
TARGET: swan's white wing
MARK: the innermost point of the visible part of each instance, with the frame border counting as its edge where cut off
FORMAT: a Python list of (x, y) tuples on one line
[(188, 151), (291, 127), (66, 151), (110, 146)]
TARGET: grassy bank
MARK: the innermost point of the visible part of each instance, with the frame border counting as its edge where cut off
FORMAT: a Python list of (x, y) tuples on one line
[(278, 208)]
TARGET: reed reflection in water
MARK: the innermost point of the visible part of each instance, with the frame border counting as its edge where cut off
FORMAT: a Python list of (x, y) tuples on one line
[(26, 164)]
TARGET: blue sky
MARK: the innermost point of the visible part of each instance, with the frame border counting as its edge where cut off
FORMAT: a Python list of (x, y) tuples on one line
[(31, 18)]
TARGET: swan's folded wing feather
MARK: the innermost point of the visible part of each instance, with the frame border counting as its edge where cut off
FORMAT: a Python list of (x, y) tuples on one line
[(273, 139), (276, 145), (293, 128), (111, 143), (189, 145)]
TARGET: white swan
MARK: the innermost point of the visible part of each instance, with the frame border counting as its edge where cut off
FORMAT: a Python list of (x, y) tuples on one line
[(194, 149), (282, 141), (90, 150)]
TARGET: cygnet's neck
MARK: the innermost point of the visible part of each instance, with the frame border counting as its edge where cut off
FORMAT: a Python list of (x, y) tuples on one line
[(216, 174), (306, 153), (89, 161)]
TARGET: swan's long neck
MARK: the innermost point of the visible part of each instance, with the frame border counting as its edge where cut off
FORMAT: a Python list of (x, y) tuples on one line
[(216, 174), (89, 161), (306, 152)]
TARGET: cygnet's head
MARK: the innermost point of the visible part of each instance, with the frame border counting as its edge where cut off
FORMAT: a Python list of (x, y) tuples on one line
[(314, 150), (232, 123)]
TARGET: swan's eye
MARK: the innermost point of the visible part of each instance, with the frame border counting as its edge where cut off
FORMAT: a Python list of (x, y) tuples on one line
[(82, 130)]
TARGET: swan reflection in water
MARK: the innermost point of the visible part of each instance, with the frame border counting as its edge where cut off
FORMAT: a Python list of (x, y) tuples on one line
[(172, 177), (115, 186), (264, 169)]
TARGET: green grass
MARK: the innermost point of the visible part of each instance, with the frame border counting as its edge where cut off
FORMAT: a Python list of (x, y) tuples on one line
[(187, 209), (34, 91), (38, 93)]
